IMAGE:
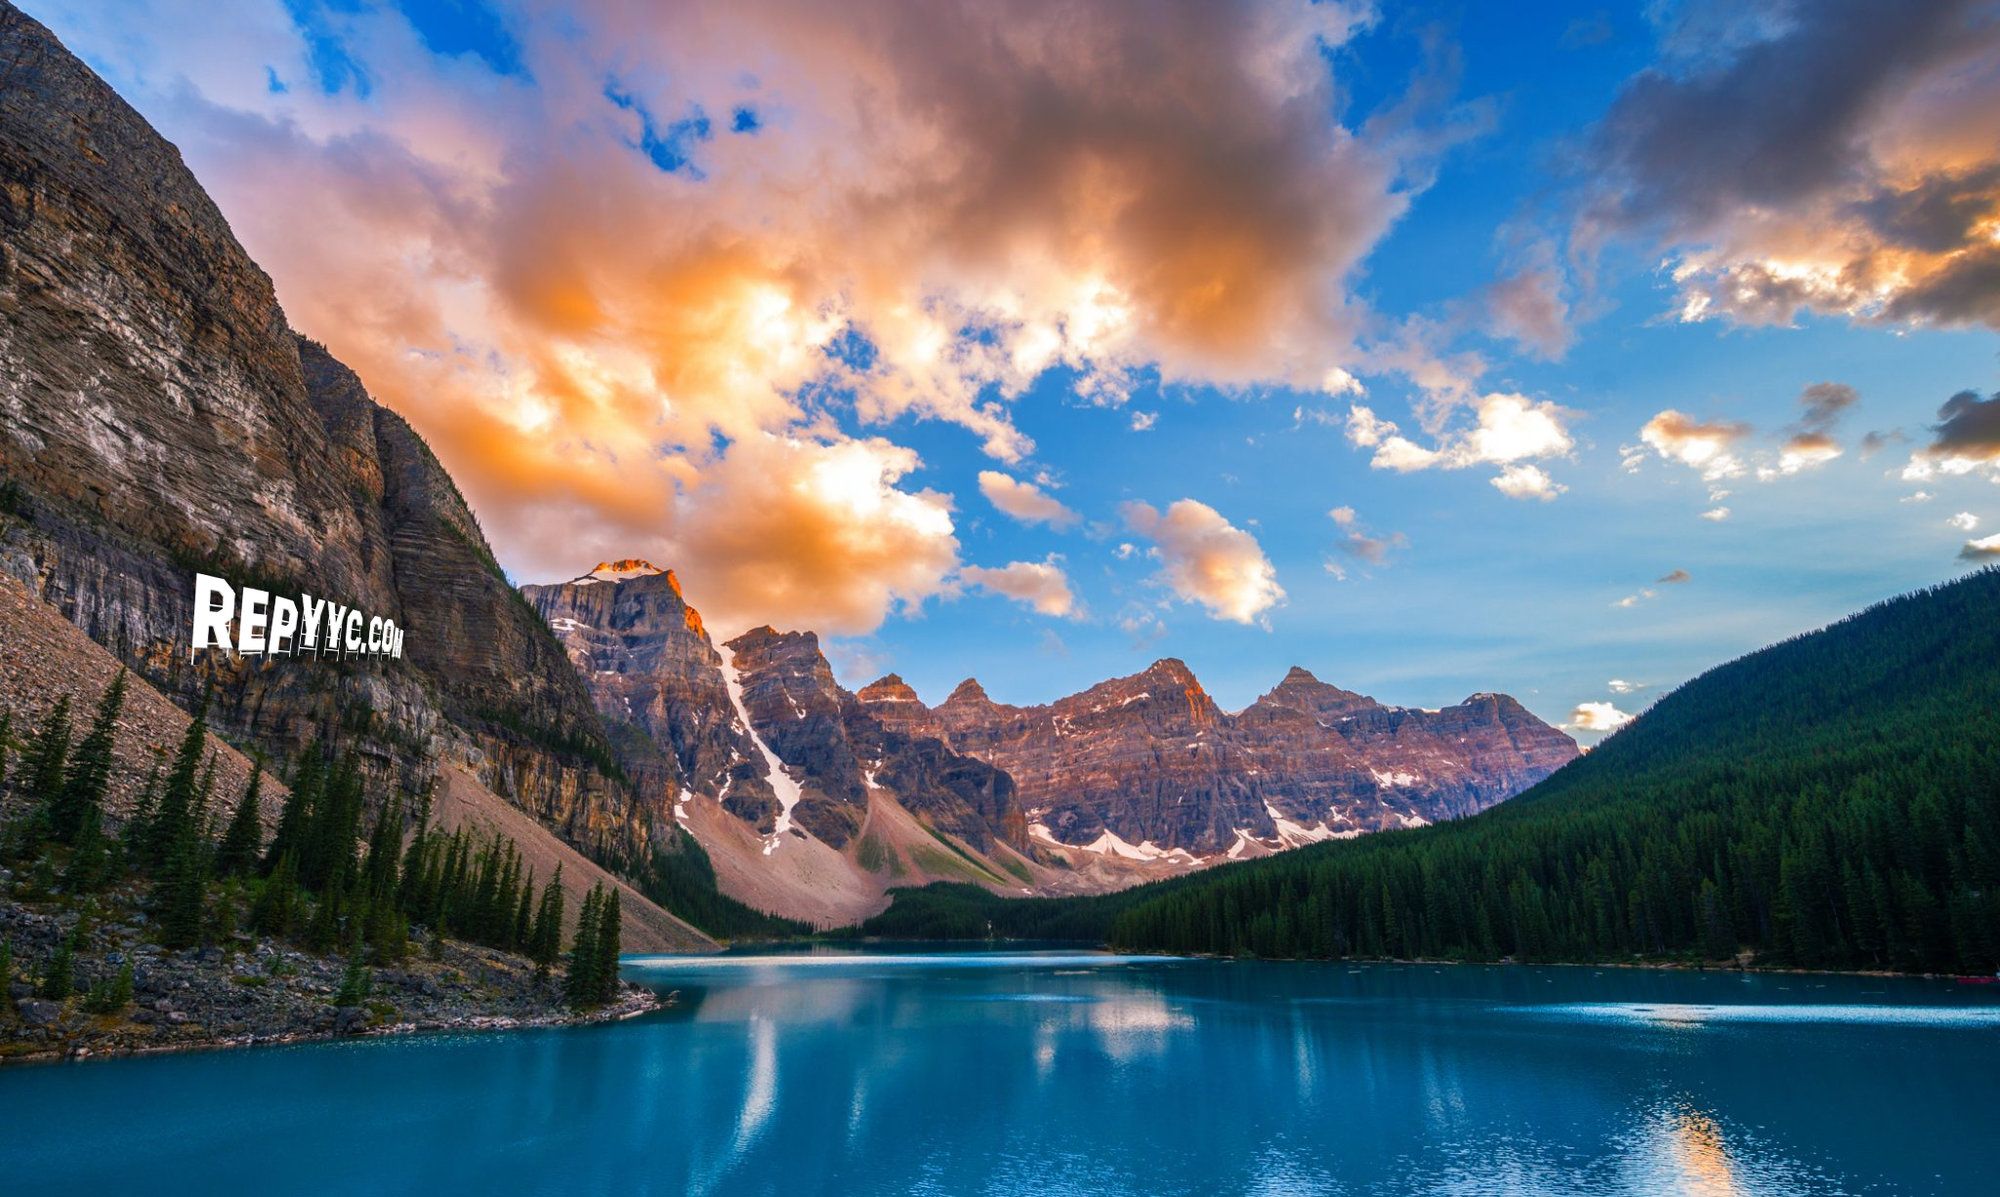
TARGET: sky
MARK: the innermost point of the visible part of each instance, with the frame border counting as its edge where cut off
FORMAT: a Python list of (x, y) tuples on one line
[(1559, 350)]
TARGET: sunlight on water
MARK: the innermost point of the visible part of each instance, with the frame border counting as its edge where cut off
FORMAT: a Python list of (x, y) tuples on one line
[(1680, 1015)]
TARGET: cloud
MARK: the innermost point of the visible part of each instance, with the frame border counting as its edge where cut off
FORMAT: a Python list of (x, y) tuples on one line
[(1838, 159), (589, 293), (1143, 421), (1357, 542), (1633, 600), (1715, 515), (1986, 548), (1024, 500), (1874, 442), (1964, 521), (1811, 442), (1596, 717), (1674, 578), (1528, 308), (1620, 686), (1509, 429), (814, 533), (1523, 481), (1040, 584), (1205, 559), (1708, 448), (1965, 438), (1922, 496)]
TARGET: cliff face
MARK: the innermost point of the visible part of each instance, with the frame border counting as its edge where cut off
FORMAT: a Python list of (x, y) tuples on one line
[(658, 682), (159, 417), (1152, 760)]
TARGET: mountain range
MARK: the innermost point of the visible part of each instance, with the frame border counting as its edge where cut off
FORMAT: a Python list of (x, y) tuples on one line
[(161, 418), (777, 769)]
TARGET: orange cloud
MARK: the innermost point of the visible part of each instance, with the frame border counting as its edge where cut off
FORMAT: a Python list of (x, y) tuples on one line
[(614, 357)]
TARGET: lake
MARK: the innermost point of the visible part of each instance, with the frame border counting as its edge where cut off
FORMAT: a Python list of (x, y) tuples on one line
[(1018, 1072)]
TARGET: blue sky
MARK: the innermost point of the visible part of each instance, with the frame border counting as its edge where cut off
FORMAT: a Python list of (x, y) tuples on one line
[(615, 265)]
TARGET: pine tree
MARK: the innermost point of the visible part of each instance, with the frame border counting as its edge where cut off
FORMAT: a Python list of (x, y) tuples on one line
[(46, 756), (237, 857), (89, 770), (41, 781), (355, 984), (609, 940), (173, 819), (323, 931), (180, 892), (545, 942), (580, 986), (139, 826), (524, 916), (276, 908), (89, 858), (58, 977), (385, 846), (297, 813), (112, 994)]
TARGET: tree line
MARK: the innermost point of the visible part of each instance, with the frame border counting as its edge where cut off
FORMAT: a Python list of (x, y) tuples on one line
[(316, 883), (1832, 801)]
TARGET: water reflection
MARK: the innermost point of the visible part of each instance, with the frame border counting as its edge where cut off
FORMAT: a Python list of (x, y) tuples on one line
[(1082, 1074)]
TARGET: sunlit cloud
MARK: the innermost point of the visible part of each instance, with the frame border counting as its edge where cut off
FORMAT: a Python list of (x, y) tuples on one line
[(1041, 585), (1207, 560), (1024, 501), (1508, 431), (1834, 159), (590, 291), (1596, 717)]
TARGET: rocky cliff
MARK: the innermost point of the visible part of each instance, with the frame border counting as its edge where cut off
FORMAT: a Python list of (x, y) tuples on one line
[(1148, 764), (758, 725), (158, 417)]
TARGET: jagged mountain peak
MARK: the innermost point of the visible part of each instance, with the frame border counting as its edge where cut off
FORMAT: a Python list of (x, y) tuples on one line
[(968, 691), (889, 687), (624, 570)]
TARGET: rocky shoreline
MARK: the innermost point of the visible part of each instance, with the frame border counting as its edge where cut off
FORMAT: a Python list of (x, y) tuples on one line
[(258, 992)]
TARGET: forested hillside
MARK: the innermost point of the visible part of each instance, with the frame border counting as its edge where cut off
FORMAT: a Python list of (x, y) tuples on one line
[(1832, 801)]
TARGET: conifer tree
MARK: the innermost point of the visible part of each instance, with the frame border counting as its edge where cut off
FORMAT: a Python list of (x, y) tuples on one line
[(89, 771), (47, 755), (112, 994), (297, 813), (173, 820), (139, 826), (545, 944), (355, 984), (89, 857), (608, 941), (580, 986), (323, 931), (58, 977), (6, 744), (41, 781), (276, 908), (385, 847), (237, 857), (524, 915), (180, 892)]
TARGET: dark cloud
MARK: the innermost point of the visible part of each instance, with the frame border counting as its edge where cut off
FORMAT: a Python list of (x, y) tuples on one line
[(1840, 157), (1675, 578), (1968, 426)]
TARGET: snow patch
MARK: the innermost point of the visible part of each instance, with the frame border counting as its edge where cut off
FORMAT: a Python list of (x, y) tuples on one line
[(782, 783)]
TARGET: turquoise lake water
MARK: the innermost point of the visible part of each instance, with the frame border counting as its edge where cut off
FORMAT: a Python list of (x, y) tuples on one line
[(1073, 1073)]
